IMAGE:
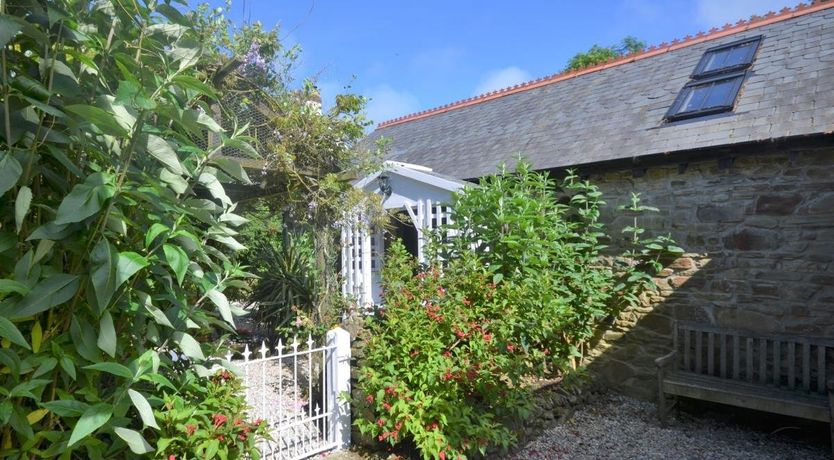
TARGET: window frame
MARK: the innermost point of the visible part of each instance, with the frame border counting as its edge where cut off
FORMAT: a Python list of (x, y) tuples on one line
[(699, 71), (674, 112)]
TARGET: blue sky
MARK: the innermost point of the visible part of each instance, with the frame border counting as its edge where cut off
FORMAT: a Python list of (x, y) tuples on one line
[(408, 56)]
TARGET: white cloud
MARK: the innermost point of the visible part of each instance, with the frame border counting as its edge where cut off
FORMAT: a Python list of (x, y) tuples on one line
[(715, 13), (501, 78), (386, 103)]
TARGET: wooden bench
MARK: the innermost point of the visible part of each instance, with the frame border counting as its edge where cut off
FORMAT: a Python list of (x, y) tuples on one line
[(782, 374)]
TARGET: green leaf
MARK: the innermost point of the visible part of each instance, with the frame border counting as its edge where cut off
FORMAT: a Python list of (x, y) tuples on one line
[(30, 87), (84, 339), (177, 259), (188, 345), (103, 120), (214, 187), (10, 171), (21, 205), (25, 389), (175, 181), (68, 366), (66, 407), (50, 231), (141, 404), (20, 424), (129, 263), (112, 368), (37, 336), (159, 148), (9, 27), (51, 291), (92, 419), (8, 286), (134, 440), (6, 409), (154, 231), (46, 365), (130, 93), (86, 199), (189, 82), (187, 56), (107, 335), (42, 250), (10, 332), (104, 259), (158, 316), (212, 448), (219, 299), (232, 168)]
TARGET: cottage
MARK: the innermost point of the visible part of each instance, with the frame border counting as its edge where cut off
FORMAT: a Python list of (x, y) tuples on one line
[(730, 133)]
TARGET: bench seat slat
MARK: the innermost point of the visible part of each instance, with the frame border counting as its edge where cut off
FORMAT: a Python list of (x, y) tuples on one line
[(821, 369), (751, 396), (806, 366), (763, 360)]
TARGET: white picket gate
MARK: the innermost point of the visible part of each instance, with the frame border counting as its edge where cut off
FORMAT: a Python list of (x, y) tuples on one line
[(296, 387)]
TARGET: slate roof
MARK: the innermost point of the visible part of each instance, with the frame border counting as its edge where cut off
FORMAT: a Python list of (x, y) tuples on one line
[(616, 110)]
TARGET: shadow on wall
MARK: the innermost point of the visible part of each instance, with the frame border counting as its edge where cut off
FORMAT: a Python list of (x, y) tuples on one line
[(761, 236)]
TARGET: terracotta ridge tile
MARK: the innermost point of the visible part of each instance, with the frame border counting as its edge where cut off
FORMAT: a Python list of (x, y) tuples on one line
[(727, 29)]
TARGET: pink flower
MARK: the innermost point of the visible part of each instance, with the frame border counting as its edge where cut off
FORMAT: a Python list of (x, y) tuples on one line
[(219, 419)]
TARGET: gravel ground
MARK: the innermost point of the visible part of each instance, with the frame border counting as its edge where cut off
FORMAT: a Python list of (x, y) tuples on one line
[(618, 427)]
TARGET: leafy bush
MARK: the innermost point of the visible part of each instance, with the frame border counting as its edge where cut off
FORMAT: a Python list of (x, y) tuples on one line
[(601, 54), (443, 365), (115, 228), (206, 418), (525, 285)]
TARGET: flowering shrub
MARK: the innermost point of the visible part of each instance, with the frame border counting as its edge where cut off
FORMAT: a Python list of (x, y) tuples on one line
[(206, 417), (526, 285), (443, 364)]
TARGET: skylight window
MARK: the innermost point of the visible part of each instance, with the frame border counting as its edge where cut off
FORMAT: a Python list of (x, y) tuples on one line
[(716, 81)]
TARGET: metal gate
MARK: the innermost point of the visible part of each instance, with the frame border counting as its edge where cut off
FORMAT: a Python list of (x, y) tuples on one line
[(297, 387)]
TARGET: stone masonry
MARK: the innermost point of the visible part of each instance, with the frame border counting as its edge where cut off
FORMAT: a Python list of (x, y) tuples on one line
[(759, 236)]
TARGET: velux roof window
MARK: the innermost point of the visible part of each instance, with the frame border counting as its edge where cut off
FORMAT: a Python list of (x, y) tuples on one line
[(716, 81)]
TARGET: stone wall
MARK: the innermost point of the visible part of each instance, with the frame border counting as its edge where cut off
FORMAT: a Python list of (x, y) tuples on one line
[(759, 232)]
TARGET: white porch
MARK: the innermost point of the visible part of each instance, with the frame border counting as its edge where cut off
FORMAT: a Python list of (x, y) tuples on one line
[(421, 195)]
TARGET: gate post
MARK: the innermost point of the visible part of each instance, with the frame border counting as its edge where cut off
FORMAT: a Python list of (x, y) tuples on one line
[(338, 383)]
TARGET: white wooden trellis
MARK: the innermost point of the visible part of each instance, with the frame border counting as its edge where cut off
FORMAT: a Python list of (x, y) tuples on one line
[(357, 260), (281, 387), (428, 218), (362, 247)]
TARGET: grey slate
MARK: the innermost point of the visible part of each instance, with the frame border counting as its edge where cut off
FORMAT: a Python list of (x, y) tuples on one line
[(618, 112)]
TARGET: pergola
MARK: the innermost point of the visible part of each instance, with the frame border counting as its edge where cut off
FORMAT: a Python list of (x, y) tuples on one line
[(414, 191)]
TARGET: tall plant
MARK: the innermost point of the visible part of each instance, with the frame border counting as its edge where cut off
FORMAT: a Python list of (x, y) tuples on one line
[(115, 228), (524, 282)]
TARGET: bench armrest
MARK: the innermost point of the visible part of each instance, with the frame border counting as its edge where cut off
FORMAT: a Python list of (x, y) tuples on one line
[(665, 360)]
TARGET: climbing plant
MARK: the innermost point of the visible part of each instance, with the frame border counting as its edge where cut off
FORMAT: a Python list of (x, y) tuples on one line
[(116, 231)]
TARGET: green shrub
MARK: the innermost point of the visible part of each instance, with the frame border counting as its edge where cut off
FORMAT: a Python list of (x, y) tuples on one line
[(205, 418), (443, 364), (525, 285)]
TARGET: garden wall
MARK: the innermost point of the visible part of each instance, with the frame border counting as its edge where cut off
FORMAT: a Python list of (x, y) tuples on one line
[(759, 232)]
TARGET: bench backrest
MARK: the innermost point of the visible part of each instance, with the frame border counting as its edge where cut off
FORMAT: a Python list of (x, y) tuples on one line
[(794, 362)]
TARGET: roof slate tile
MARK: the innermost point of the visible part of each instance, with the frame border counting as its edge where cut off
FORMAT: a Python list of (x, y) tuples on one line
[(618, 112)]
